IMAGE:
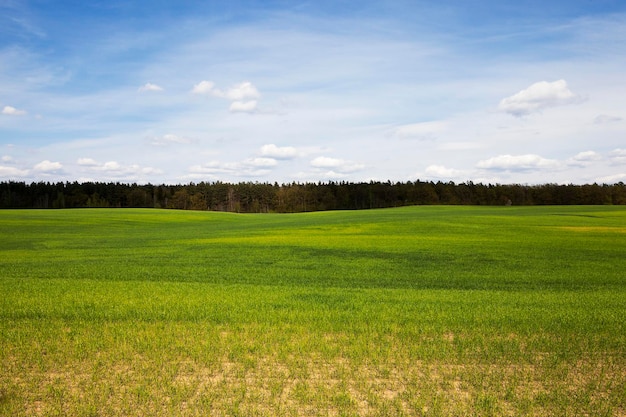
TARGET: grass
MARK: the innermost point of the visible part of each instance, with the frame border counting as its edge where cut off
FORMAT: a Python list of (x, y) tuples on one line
[(411, 311)]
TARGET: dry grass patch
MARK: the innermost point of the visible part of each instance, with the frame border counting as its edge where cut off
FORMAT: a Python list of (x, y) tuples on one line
[(336, 387)]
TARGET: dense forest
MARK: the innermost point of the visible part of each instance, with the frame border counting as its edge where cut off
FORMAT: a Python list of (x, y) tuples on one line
[(249, 197)]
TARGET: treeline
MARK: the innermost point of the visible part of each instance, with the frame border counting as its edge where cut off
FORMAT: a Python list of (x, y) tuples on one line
[(249, 197)]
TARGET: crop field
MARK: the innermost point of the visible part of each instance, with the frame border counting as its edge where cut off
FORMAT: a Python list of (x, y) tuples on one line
[(414, 311)]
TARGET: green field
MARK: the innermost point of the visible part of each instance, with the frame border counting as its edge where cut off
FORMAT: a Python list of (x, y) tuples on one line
[(409, 311)]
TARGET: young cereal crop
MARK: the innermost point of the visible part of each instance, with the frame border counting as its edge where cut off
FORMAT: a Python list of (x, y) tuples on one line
[(416, 311)]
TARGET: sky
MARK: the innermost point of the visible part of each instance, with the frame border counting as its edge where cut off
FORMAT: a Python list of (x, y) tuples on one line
[(174, 92)]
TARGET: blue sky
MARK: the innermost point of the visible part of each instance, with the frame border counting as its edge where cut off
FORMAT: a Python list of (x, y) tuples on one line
[(176, 92)]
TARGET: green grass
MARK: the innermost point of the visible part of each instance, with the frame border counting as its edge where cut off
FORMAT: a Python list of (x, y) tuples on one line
[(410, 311)]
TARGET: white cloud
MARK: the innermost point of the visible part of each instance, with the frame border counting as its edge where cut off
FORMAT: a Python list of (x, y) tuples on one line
[(48, 166), (424, 131), (527, 162), (537, 97), (604, 119), (339, 165), (440, 171), (243, 106), (203, 87), (12, 172), (243, 96), (150, 87), (110, 166), (242, 91), (7, 159), (169, 139), (584, 158), (618, 156), (113, 169), (12, 111), (278, 152)]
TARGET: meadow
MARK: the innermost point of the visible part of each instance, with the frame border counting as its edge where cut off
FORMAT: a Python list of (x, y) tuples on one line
[(414, 311)]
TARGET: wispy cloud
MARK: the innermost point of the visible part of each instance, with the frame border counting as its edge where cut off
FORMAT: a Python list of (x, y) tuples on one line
[(422, 131), (169, 139), (612, 179), (618, 156), (147, 87), (605, 119), (278, 152), (87, 162), (583, 159), (526, 162), (248, 168), (339, 165), (114, 169)]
